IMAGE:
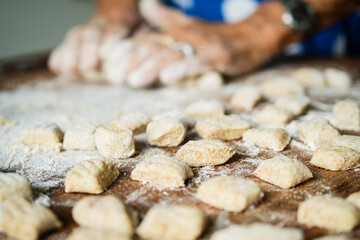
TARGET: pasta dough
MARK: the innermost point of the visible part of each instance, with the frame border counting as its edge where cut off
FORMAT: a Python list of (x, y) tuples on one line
[(210, 81), (162, 170), (281, 86), (335, 158), (185, 119), (205, 152), (317, 132), (222, 128), (80, 137), (174, 222), (246, 98), (309, 77), (82, 233), (91, 177), (205, 109), (13, 185), (337, 79), (354, 198), (296, 105), (274, 138), (105, 213), (347, 113), (273, 115), (283, 171), (334, 214), (349, 141), (166, 132), (135, 121), (47, 136), (229, 193)]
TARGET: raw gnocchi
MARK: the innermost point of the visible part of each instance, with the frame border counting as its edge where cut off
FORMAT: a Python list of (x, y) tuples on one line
[(166, 132), (273, 138), (273, 115), (13, 185), (246, 98), (135, 121), (296, 105), (337, 79), (80, 137), (347, 113), (309, 77), (82, 233), (47, 136), (282, 86), (354, 198), (205, 109), (349, 141)]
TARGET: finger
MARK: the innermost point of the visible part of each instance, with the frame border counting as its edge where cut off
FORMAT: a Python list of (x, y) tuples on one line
[(69, 52), (148, 72), (54, 60), (185, 68), (111, 37)]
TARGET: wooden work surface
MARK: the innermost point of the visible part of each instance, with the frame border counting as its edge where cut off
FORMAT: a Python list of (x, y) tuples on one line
[(279, 206)]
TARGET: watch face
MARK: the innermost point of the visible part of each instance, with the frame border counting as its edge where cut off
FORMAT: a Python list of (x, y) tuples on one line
[(302, 14)]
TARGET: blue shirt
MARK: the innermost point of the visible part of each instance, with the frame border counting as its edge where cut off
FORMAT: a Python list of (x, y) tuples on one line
[(342, 38)]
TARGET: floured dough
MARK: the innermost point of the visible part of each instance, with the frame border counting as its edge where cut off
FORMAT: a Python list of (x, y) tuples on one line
[(13, 185), (274, 138), (166, 132), (91, 176), (222, 128), (205, 109), (273, 115), (283, 171), (335, 158), (317, 132), (174, 222), (229, 193), (347, 113), (162, 170), (210, 81), (82, 233), (337, 79), (114, 143), (106, 213), (293, 104), (334, 237), (354, 198), (245, 98), (48, 136), (281, 86), (332, 213), (205, 152), (257, 231), (80, 137), (309, 77), (135, 121), (349, 141), (185, 119), (23, 220)]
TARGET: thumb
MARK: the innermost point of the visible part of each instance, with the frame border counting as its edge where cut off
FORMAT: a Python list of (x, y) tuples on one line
[(161, 16)]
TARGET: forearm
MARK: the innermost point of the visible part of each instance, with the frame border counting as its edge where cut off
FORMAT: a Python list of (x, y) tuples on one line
[(118, 10)]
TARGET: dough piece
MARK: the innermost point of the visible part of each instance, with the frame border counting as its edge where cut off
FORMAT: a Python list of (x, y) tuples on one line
[(293, 104), (332, 213), (347, 113), (185, 119), (283, 172), (135, 121), (334, 237), (163, 170), (115, 143), (257, 231), (229, 193), (246, 98), (205, 109), (309, 77), (91, 177), (166, 132), (317, 132), (337, 79), (13, 185), (274, 138), (174, 222), (80, 137), (21, 219), (48, 136), (272, 115), (205, 152), (354, 198), (92, 234), (210, 81), (349, 141), (335, 158), (222, 128), (281, 86), (106, 213)]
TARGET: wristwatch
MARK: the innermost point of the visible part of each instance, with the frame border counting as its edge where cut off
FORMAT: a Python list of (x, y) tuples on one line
[(299, 15)]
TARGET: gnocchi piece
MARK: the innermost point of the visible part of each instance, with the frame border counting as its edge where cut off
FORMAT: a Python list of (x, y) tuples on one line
[(162, 170), (205, 109), (205, 152), (335, 158), (21, 219), (333, 237), (317, 132), (13, 185), (273, 115), (230, 193), (332, 213), (135, 121), (80, 137), (347, 113), (283, 172), (349, 141), (257, 231), (106, 213), (293, 104), (273, 138), (174, 222), (115, 143), (282, 86), (337, 79), (246, 98), (222, 128), (309, 77), (47, 136), (354, 198), (210, 81), (91, 177), (185, 119), (166, 132), (82, 233)]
